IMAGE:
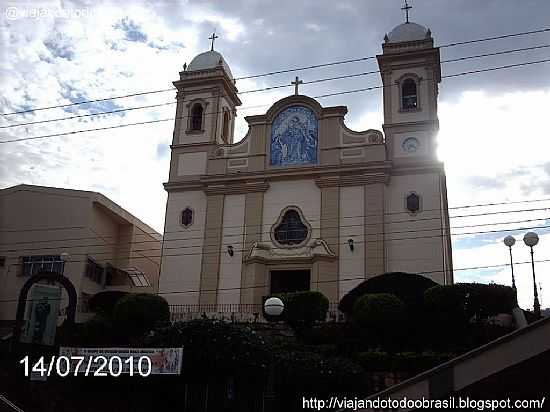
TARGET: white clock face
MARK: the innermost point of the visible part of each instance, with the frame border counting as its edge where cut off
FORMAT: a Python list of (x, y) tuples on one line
[(410, 145)]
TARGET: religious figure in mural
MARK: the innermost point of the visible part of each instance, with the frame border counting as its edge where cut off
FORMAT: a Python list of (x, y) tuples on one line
[(294, 137)]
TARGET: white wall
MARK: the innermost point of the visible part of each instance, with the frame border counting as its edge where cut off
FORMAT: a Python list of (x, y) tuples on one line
[(182, 249), (232, 234), (302, 193), (352, 225), (422, 251)]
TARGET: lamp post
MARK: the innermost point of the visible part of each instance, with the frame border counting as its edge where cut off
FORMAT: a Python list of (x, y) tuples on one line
[(531, 239), (272, 307), (510, 241)]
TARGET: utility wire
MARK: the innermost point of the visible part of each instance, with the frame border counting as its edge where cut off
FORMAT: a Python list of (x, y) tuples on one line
[(319, 281), (314, 97), (255, 90), (277, 72)]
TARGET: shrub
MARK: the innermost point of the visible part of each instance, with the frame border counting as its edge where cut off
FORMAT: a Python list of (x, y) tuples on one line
[(462, 301), (308, 374), (104, 302), (378, 311), (408, 287), (136, 314), (304, 308), (214, 348)]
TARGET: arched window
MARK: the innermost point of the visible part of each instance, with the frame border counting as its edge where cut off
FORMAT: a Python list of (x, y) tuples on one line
[(409, 97), (291, 230), (413, 202), (225, 130), (196, 117)]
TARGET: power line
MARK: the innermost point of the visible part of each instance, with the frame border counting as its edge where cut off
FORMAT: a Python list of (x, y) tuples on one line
[(275, 72), (321, 281), (314, 97), (261, 89)]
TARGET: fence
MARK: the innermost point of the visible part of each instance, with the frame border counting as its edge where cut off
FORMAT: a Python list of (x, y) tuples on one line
[(235, 312)]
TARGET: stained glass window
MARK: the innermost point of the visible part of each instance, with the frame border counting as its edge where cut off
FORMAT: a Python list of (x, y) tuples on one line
[(291, 230)]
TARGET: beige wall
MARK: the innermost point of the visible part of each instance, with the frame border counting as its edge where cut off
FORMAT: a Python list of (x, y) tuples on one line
[(413, 241), (352, 226), (36, 220), (232, 235), (182, 248)]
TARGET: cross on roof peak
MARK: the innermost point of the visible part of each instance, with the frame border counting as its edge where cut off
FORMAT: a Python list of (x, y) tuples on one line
[(296, 83), (213, 38), (406, 7)]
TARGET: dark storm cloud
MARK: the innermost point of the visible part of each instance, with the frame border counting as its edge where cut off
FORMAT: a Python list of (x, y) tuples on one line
[(287, 34)]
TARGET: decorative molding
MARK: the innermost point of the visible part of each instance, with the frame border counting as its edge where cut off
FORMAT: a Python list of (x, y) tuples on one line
[(236, 189), (352, 180), (316, 250)]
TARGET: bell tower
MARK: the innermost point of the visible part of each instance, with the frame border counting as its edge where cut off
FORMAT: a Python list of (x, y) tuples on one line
[(411, 72), (207, 100)]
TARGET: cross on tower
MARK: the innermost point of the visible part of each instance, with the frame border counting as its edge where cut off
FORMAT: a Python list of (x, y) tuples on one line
[(213, 38), (296, 83), (406, 7)]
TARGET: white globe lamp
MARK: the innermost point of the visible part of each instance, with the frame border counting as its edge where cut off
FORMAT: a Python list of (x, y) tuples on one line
[(274, 306)]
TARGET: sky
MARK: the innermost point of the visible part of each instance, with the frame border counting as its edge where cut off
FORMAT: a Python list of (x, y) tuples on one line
[(494, 136)]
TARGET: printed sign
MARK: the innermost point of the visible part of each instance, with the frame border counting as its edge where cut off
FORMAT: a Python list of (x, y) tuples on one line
[(42, 311), (113, 361)]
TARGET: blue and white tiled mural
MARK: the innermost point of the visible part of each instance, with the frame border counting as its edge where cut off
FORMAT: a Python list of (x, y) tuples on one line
[(294, 137)]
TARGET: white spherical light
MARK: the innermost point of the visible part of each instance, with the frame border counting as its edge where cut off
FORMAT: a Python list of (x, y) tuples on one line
[(509, 241), (274, 306), (65, 256), (531, 239)]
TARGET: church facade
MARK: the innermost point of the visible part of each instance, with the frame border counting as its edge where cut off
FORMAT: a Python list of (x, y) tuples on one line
[(302, 202)]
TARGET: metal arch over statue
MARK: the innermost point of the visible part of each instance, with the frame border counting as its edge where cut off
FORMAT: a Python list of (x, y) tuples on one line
[(22, 302)]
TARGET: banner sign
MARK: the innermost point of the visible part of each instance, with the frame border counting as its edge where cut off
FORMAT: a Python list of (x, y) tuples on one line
[(42, 311), (114, 361)]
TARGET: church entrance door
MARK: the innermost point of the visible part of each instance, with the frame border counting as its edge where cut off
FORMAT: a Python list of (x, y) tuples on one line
[(284, 281)]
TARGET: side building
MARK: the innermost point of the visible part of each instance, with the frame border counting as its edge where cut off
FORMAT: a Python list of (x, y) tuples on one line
[(104, 246)]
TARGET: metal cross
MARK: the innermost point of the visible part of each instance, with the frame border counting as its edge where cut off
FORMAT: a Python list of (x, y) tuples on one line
[(296, 83), (406, 7), (213, 38)]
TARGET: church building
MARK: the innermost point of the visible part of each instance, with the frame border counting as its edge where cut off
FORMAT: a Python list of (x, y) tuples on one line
[(302, 202)]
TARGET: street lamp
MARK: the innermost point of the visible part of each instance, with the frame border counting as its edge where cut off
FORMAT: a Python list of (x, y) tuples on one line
[(531, 239), (510, 241), (274, 306)]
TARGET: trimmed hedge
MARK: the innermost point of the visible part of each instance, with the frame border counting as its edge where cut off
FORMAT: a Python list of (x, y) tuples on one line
[(302, 309), (378, 311), (462, 301), (408, 287), (136, 314), (104, 302)]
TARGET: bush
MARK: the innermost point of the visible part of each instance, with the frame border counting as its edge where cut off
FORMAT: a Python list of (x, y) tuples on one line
[(104, 302), (136, 314), (378, 311), (310, 374), (462, 301), (214, 348), (408, 287), (302, 309)]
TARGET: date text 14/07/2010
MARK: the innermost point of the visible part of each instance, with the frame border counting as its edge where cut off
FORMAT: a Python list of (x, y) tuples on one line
[(100, 365)]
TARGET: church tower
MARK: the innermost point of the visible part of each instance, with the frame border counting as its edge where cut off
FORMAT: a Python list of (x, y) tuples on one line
[(411, 72)]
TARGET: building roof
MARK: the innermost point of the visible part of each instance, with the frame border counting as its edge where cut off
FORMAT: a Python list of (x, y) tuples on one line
[(408, 32), (94, 197), (209, 60)]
